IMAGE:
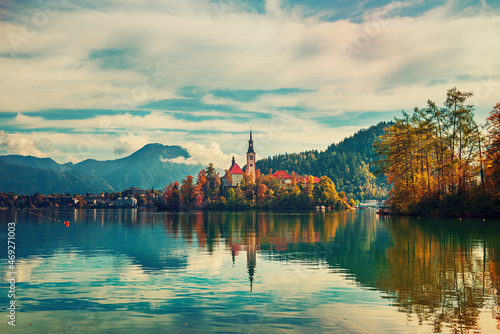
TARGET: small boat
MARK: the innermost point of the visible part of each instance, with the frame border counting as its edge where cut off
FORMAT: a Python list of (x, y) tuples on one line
[(383, 210)]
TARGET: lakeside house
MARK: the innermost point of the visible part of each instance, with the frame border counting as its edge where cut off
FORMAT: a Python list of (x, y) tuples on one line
[(283, 177), (134, 191), (127, 202), (93, 199)]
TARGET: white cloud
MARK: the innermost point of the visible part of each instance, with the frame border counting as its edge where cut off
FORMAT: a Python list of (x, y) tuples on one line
[(193, 46), (129, 143), (202, 155), (15, 143), (273, 8), (72, 159), (70, 147), (181, 160)]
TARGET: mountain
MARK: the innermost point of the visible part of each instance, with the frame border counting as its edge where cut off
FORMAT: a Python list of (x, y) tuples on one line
[(27, 180), (33, 162), (348, 164), (147, 168)]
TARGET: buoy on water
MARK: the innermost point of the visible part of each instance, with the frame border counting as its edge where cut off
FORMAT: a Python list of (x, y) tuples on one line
[(67, 223)]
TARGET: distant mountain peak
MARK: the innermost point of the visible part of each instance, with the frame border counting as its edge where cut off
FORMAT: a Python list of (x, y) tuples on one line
[(166, 151), (153, 145), (148, 167)]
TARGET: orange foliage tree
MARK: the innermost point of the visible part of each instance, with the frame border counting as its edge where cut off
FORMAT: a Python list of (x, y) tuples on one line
[(493, 148)]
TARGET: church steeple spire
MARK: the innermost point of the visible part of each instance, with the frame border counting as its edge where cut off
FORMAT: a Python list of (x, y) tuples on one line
[(250, 143)]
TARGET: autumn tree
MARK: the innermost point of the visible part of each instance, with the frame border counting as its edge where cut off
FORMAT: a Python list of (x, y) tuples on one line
[(261, 195), (231, 198), (228, 179), (187, 191), (171, 196), (462, 128), (493, 148), (325, 193), (213, 181), (432, 153), (248, 182), (307, 194)]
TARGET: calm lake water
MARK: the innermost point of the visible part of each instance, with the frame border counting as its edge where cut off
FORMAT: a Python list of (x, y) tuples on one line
[(123, 271)]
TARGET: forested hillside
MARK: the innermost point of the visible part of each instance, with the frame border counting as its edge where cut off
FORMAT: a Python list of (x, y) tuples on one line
[(348, 164)]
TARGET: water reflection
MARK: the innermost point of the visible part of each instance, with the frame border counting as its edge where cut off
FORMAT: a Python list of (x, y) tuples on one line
[(280, 270), (442, 271)]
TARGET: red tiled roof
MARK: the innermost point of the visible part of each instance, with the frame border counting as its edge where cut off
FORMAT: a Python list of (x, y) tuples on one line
[(235, 169), (281, 174)]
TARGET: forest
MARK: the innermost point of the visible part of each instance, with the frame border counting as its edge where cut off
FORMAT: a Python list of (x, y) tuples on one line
[(267, 192), (440, 161), (348, 164)]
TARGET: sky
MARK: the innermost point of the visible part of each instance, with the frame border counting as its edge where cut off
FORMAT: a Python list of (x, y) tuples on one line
[(101, 78)]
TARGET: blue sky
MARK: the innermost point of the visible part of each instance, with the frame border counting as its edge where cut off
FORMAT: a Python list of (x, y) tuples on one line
[(100, 79)]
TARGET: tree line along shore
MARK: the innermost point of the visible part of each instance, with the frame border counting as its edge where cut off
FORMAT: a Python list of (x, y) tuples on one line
[(440, 162), (207, 192)]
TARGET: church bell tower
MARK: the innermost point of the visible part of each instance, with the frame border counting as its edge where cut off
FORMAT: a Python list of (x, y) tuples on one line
[(251, 158)]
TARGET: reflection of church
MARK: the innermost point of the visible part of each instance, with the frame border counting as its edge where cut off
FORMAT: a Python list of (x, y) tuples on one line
[(237, 173)]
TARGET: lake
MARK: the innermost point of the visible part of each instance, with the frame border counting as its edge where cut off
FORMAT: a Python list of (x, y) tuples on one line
[(124, 271)]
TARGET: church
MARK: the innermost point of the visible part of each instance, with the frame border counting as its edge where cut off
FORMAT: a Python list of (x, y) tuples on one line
[(237, 173)]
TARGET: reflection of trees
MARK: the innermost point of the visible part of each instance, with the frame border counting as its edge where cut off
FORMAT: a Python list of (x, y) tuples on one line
[(283, 237), (494, 271), (438, 272), (437, 275)]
